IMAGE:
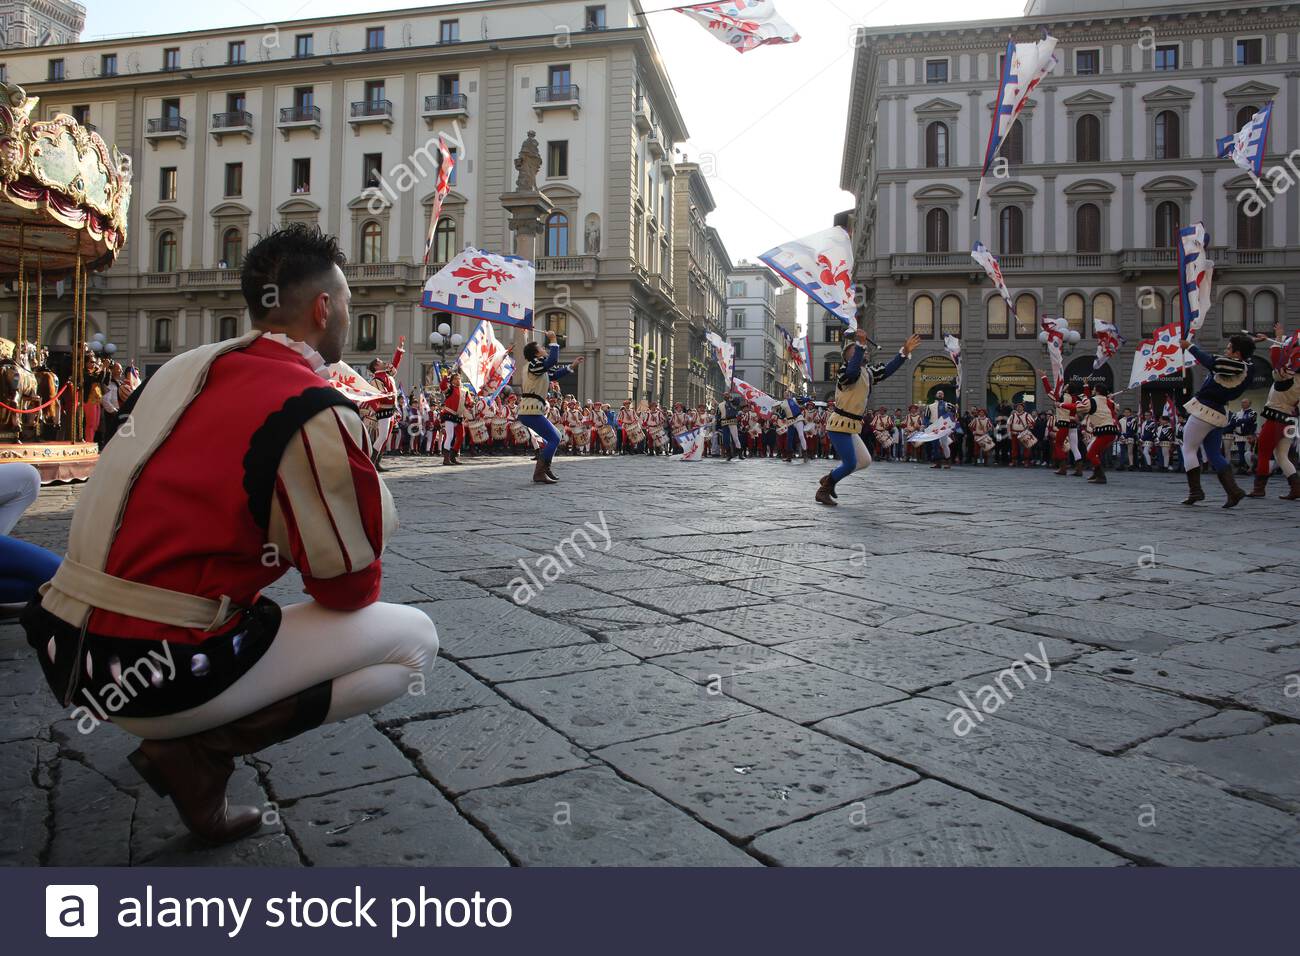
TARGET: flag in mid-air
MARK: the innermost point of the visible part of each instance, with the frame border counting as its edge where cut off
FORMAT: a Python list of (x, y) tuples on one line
[(725, 353), (1197, 272), (822, 266), (1246, 147), (692, 444), (952, 345), (939, 428), (485, 363), (805, 348), (1054, 332), (1171, 408), (358, 389), (754, 395), (483, 285), (1160, 356), (1288, 359), (1025, 66), (792, 348), (441, 188), (743, 24), (1108, 342), (990, 265)]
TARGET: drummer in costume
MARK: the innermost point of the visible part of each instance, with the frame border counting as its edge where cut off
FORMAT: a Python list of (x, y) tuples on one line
[(852, 392), (981, 427), (1021, 426), (1207, 415), (539, 370), (167, 559)]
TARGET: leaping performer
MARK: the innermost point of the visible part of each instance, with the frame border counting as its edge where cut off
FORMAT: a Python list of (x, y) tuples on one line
[(852, 393), (1207, 415), (539, 371)]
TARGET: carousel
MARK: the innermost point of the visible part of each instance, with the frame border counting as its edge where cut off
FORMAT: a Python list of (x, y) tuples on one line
[(63, 205)]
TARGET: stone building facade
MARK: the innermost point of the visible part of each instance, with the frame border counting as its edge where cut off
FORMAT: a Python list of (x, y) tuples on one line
[(701, 267)]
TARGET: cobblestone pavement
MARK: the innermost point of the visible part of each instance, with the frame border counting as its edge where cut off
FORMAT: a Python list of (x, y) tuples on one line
[(747, 678)]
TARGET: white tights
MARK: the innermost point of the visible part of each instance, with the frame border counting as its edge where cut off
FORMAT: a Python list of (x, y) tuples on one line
[(19, 485), (371, 656)]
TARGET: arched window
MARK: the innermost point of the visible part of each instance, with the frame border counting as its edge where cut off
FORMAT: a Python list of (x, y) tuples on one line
[(1087, 139), (923, 316), (1026, 316), (1014, 148), (557, 235), (1072, 312), (1103, 309), (950, 316), (1152, 306), (444, 240), (1244, 116), (367, 332), (372, 242), (1011, 231), (227, 328), (934, 375), (1087, 228), (162, 335), (232, 248), (1168, 222), (1265, 312), (1234, 313), (1011, 380), (166, 261), (1250, 229), (995, 311), (1169, 140), (936, 230), (557, 322), (936, 146)]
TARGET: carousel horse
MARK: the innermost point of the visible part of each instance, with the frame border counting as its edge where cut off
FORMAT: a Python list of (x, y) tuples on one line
[(17, 387), (47, 388)]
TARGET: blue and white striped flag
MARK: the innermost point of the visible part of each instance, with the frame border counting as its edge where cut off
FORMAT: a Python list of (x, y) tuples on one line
[(1247, 146), (1197, 272), (1025, 66)]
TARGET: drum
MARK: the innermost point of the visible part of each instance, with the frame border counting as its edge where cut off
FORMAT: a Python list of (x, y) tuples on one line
[(755, 430), (581, 435), (498, 429), (608, 437), (885, 439), (660, 438), (985, 442), (1028, 440), (478, 432), (520, 433), (635, 433)]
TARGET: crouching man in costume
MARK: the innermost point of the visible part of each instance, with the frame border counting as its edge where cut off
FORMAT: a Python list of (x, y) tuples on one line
[(539, 371), (156, 614), (1208, 415), (852, 393)]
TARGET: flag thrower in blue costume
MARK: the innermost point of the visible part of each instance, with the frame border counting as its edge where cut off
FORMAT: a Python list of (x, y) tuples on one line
[(541, 368), (852, 394)]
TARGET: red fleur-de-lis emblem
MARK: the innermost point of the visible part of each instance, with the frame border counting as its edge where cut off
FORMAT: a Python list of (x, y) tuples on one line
[(481, 276), (836, 275)]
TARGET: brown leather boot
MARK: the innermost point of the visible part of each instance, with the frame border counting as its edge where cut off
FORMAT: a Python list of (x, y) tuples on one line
[(1294, 494), (194, 770), (550, 474), (826, 492), (446, 458), (540, 477), (1261, 487), (1064, 469), (1194, 490), (1078, 469), (1230, 488), (1098, 475)]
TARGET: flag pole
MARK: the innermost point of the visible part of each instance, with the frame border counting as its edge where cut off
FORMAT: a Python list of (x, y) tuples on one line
[(685, 6)]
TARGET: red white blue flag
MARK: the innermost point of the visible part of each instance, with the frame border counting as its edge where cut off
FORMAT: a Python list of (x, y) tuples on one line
[(1024, 67), (743, 24), (725, 353), (822, 266), (692, 444), (441, 189), (1108, 342), (1160, 356), (1197, 273), (485, 363), (792, 348), (754, 395), (1247, 146), (952, 345), (483, 285), (991, 268)]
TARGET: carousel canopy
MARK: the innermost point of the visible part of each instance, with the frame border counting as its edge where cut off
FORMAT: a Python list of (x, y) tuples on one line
[(63, 193)]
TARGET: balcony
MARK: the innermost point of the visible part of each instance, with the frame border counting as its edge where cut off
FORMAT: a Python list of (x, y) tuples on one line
[(444, 106), (642, 116), (655, 145), (166, 128), (399, 275), (237, 123), (568, 268), (1135, 262), (371, 111), (299, 117), (902, 266), (558, 98)]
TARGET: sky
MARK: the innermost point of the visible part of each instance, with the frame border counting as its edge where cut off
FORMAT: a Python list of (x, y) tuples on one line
[(769, 123)]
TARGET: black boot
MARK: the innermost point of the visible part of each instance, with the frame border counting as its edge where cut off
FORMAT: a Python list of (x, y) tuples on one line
[(1230, 488), (1194, 490)]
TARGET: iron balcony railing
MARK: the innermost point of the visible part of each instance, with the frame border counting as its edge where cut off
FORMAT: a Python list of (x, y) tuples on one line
[(557, 94), (236, 119), (300, 114), (372, 108), (167, 124), (445, 102)]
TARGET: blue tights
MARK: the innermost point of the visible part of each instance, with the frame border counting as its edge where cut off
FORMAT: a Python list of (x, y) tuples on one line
[(24, 567), (545, 431), (851, 452)]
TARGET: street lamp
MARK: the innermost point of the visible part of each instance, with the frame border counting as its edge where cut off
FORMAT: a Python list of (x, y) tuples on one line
[(442, 339)]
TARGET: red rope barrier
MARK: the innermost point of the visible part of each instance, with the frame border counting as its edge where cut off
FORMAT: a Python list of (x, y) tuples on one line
[(39, 408)]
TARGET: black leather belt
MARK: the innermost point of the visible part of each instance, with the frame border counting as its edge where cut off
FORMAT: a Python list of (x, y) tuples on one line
[(840, 411)]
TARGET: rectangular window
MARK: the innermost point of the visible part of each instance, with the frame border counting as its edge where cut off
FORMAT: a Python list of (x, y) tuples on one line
[(367, 333), (375, 91), (738, 319), (557, 159), (304, 98), (372, 170), (81, 114), (1087, 62), (740, 348), (302, 45), (936, 71), (302, 175), (236, 102), (374, 38), (4, 73), (448, 84), (172, 58), (1166, 57), (561, 77), (56, 71), (1250, 52), (595, 19), (171, 113), (167, 183), (449, 31), (236, 51), (737, 288), (108, 64), (234, 179)]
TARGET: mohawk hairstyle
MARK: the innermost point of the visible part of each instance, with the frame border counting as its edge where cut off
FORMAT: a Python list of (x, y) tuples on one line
[(282, 261)]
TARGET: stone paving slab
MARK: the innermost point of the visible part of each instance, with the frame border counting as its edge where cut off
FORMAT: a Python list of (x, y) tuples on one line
[(691, 599), (486, 628), (1109, 798), (903, 661), (807, 693), (448, 689), (927, 824), (777, 624), (1262, 764), (753, 773), (550, 662), (664, 639), (594, 818), (333, 757)]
